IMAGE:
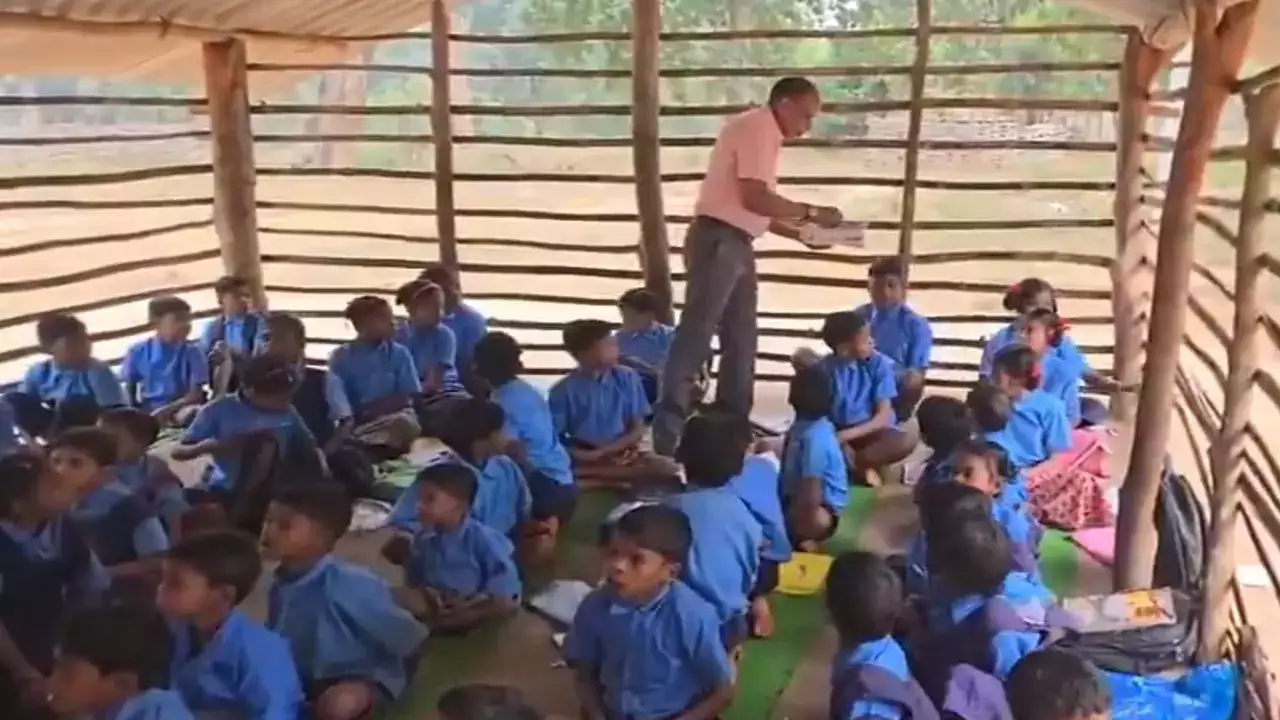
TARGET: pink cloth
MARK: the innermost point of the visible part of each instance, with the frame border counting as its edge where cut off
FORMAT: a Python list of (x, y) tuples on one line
[(1099, 543), (747, 148), (1068, 491)]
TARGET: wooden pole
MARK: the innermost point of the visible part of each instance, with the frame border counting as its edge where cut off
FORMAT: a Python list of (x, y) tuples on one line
[(1217, 56), (1263, 113), (646, 150), (915, 123), (235, 208), (442, 135)]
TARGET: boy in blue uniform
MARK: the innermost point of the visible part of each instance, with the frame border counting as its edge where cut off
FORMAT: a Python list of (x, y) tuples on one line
[(166, 374), (467, 323), (599, 410), (944, 423), (47, 568), (355, 648), (372, 383), (237, 334), (531, 440), (815, 476), (900, 334), (256, 440), (70, 387), (1037, 426), (144, 474), (643, 342), (864, 389), (758, 488), (431, 343), (224, 662), (1057, 685), (724, 558), (870, 677), (113, 664), (460, 572), (644, 645)]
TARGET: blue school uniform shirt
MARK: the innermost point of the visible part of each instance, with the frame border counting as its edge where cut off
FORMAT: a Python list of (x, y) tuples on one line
[(150, 478), (757, 487), (1067, 351), (245, 671), (597, 408), (885, 654), (341, 622), (812, 450), (1060, 381), (53, 384), (529, 421), (901, 334), (1037, 428), (725, 555), (432, 347), (468, 327), (163, 372), (857, 386), (471, 560), (652, 661), (131, 534), (47, 543), (1024, 535), (154, 704), (244, 334), (1032, 602), (649, 346), (502, 498), (233, 415), (362, 373)]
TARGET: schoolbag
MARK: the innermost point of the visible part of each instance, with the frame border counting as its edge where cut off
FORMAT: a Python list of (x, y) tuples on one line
[(1181, 528)]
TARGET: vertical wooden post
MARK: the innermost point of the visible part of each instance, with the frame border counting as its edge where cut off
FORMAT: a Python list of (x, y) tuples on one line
[(235, 206), (442, 135), (1263, 113), (646, 150), (915, 123), (1217, 56)]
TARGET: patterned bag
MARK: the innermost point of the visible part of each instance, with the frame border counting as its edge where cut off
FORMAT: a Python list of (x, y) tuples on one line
[(1068, 491)]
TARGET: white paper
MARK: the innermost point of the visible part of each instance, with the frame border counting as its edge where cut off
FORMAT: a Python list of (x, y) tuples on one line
[(1254, 576), (560, 600)]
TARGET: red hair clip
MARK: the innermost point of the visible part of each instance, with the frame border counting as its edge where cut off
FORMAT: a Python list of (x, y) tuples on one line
[(1015, 288)]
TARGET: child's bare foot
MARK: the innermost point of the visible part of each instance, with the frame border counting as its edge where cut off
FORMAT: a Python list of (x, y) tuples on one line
[(761, 618)]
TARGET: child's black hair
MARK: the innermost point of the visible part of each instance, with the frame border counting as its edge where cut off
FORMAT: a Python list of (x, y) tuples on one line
[(363, 307), (453, 479), (713, 447), (582, 335), (128, 638), (810, 394), (639, 300), (225, 558), (944, 422), (887, 267), (441, 275), (141, 426), (58, 326), (971, 551), (497, 358), (1054, 327), (475, 419), (268, 375), (485, 702), (20, 473), (660, 528), (989, 451), (989, 406), (162, 307), (326, 503), (411, 290), (230, 285), (1054, 684), (841, 327), (944, 503), (287, 324), (91, 441), (1018, 362), (864, 597), (1020, 295)]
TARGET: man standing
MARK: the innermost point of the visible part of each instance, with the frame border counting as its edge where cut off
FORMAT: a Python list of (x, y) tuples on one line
[(736, 204)]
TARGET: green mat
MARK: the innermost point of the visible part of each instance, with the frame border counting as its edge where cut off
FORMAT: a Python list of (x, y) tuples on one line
[(1059, 562)]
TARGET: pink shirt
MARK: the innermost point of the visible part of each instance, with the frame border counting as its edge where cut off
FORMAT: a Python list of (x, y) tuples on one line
[(746, 149)]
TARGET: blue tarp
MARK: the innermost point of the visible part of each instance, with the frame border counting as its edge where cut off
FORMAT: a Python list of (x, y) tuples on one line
[(1207, 692)]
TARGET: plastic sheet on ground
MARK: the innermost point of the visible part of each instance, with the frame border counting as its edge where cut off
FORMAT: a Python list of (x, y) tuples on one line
[(1206, 692)]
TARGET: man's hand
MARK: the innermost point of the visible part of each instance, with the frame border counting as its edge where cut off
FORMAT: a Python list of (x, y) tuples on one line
[(827, 217)]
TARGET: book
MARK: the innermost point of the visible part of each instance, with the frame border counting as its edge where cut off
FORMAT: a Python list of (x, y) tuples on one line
[(847, 234), (1132, 610)]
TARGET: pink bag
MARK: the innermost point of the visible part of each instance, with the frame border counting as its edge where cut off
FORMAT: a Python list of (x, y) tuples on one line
[(1068, 491)]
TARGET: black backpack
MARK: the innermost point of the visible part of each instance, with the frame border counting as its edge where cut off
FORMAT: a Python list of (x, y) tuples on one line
[(1180, 563)]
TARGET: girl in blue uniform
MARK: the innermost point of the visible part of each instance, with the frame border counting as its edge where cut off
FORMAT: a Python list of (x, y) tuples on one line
[(1037, 425)]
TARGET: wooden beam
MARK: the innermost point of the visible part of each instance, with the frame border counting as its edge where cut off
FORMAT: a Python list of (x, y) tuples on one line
[(234, 175), (1218, 53), (442, 132), (646, 149), (915, 126), (1263, 113)]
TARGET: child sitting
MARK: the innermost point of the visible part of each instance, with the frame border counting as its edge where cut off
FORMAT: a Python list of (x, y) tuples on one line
[(1043, 331), (70, 387), (256, 439), (864, 390), (166, 374), (984, 466), (224, 662), (372, 383), (460, 572), (1037, 425), (869, 675), (815, 476), (724, 559), (643, 342), (47, 568), (467, 323), (531, 439), (944, 423), (758, 488), (238, 333), (355, 648), (644, 645), (900, 334), (432, 344), (599, 410), (1057, 685), (142, 473)]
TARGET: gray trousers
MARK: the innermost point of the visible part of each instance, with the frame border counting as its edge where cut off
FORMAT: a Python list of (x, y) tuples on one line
[(720, 295)]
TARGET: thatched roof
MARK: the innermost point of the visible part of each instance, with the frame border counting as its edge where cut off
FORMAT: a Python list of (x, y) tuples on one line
[(1168, 22)]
